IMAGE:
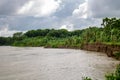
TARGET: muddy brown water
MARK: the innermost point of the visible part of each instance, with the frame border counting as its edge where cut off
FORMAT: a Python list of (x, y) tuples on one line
[(37, 63)]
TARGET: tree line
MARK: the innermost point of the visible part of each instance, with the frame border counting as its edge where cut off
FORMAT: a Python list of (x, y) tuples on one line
[(109, 32)]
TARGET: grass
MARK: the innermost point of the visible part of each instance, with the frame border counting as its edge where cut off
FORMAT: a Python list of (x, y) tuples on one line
[(112, 43), (86, 78), (111, 76), (115, 75), (117, 55), (71, 42)]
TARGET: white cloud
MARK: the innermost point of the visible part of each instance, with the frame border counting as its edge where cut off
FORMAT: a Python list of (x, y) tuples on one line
[(40, 8), (55, 13), (81, 11), (104, 8), (69, 27), (5, 32), (98, 9)]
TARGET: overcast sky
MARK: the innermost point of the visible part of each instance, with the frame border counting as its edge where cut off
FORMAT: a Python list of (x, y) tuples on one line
[(23, 15)]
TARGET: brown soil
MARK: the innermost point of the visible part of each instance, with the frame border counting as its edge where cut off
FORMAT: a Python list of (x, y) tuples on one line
[(110, 50)]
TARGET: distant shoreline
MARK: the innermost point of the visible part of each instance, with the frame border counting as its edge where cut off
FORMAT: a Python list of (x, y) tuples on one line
[(109, 50)]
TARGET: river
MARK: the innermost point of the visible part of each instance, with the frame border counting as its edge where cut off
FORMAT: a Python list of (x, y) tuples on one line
[(37, 63)]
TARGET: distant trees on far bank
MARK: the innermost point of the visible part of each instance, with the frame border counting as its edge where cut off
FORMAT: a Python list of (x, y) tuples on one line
[(109, 33)]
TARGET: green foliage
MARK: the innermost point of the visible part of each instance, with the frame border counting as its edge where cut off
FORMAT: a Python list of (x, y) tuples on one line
[(36, 33), (110, 33), (18, 36), (111, 29), (117, 55), (62, 33), (6, 41), (115, 75), (110, 76), (76, 33), (86, 78), (33, 42), (2, 40)]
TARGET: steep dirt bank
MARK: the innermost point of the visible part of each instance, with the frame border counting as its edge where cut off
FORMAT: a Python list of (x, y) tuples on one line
[(110, 50)]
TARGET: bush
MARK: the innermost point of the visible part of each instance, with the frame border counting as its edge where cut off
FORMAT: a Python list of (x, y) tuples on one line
[(112, 76), (115, 75), (117, 55), (86, 78)]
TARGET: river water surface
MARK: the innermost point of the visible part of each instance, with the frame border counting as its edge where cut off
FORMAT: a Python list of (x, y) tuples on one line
[(36, 63)]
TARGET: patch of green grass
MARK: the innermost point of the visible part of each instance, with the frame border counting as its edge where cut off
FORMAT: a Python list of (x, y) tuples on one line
[(86, 78), (112, 43), (115, 75), (117, 55), (111, 76)]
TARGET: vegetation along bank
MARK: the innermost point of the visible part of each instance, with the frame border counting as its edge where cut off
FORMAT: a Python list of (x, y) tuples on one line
[(102, 39)]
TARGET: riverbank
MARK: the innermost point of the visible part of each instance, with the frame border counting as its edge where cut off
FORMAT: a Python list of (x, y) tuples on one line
[(111, 50), (61, 38)]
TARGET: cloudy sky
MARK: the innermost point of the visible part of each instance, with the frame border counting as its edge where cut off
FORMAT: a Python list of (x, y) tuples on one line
[(23, 15)]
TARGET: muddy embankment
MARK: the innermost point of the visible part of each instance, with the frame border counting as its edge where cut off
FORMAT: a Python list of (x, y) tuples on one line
[(110, 50)]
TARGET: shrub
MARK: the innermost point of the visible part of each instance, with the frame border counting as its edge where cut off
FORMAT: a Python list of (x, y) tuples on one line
[(117, 55), (86, 78), (115, 75)]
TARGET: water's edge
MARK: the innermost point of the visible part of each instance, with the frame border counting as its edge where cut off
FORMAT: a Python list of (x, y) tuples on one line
[(109, 50)]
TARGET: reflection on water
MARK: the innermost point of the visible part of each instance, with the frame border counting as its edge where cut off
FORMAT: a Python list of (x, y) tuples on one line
[(37, 63)]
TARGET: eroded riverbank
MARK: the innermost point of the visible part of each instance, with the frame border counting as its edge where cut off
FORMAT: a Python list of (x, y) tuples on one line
[(110, 50), (36, 63)]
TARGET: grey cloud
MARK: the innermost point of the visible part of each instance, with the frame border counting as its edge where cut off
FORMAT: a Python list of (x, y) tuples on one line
[(61, 17), (11, 22), (28, 22), (22, 23), (80, 23), (104, 8), (67, 8), (9, 7)]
